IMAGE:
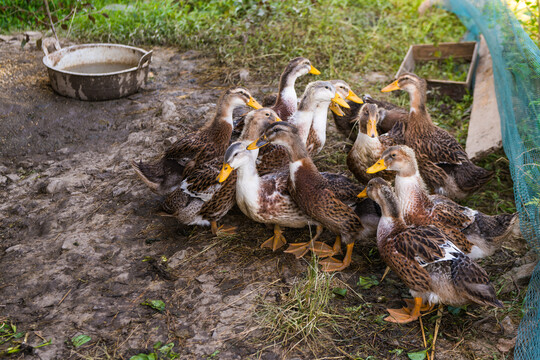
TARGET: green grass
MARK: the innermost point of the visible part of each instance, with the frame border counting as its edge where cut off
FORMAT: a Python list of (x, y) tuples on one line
[(341, 37)]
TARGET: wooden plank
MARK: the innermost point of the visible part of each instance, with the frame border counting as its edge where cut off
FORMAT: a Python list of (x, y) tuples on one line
[(484, 136)]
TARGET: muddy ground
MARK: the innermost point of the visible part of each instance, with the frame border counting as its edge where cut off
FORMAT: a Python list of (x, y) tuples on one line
[(81, 246)]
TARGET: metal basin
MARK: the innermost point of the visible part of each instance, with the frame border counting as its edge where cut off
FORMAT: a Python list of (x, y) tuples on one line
[(97, 71)]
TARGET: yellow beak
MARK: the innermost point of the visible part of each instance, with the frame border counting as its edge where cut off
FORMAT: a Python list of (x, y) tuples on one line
[(254, 103), (314, 71), (378, 166), (339, 100), (354, 98), (278, 119), (363, 194), (336, 109), (393, 86), (226, 170), (372, 128), (260, 142)]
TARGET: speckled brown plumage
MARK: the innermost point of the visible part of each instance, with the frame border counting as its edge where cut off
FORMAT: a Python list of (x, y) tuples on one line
[(310, 191), (211, 141), (441, 148), (201, 183), (425, 258), (390, 114), (465, 226), (368, 149)]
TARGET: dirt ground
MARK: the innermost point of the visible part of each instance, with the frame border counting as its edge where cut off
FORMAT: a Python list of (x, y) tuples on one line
[(81, 246)]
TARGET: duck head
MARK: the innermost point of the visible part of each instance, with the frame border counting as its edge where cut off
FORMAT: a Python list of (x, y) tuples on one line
[(398, 158), (240, 96), (256, 121), (344, 90), (368, 117), (320, 93), (381, 192), (236, 156)]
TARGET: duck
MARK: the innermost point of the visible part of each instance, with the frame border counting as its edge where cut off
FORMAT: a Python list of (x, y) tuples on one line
[(310, 190), (311, 117), (266, 199), (345, 120), (368, 146), (165, 174), (481, 234), (452, 172), (313, 107), (285, 102), (201, 199), (433, 268)]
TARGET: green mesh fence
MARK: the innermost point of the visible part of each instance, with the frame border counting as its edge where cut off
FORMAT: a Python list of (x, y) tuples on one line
[(516, 71)]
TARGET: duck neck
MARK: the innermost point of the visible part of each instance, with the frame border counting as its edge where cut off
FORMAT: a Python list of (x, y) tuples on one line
[(302, 119), (391, 219), (411, 192), (286, 93), (367, 147), (419, 118), (248, 184), (320, 117), (225, 109)]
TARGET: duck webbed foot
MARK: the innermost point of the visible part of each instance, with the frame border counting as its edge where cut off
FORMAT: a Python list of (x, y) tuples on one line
[(319, 248), (407, 314), (223, 229), (276, 241), (333, 264)]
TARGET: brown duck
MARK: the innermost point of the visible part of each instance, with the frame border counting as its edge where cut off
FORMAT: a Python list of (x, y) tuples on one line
[(452, 173), (201, 200), (476, 234), (166, 174), (368, 146), (426, 260), (389, 115), (310, 191)]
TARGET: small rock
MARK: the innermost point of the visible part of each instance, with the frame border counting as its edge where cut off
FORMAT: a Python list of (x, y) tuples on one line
[(148, 141), (3, 180), (519, 275), (33, 35), (13, 177), (508, 326), (63, 151), (168, 110), (119, 191), (55, 186), (3, 170), (377, 77), (170, 140), (14, 248), (204, 278), (243, 74), (505, 345), (177, 257)]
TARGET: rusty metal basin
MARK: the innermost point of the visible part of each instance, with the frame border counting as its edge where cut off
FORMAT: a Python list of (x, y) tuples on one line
[(97, 71)]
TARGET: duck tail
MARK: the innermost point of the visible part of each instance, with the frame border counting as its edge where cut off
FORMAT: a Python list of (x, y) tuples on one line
[(145, 173), (475, 282), (470, 177)]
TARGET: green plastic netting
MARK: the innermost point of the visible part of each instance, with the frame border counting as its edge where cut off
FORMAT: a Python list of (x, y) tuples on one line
[(516, 71)]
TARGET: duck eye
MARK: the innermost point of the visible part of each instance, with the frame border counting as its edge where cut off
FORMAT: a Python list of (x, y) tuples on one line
[(267, 114), (393, 155), (326, 87)]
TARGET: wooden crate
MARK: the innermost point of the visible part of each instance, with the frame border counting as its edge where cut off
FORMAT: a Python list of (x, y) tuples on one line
[(462, 50)]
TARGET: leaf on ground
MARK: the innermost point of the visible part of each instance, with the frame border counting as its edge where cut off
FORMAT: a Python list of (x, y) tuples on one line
[(339, 291), (80, 340), (454, 310), (419, 355), (367, 282), (150, 356), (155, 304)]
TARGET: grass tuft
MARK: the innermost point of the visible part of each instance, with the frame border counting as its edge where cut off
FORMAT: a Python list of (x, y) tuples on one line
[(301, 317)]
